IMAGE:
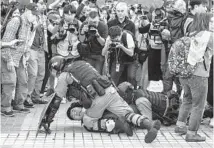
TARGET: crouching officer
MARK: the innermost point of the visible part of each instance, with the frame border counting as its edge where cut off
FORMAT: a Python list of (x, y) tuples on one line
[(101, 96), (80, 77)]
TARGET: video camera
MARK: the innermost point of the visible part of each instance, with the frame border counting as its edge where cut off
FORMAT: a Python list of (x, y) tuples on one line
[(159, 22)]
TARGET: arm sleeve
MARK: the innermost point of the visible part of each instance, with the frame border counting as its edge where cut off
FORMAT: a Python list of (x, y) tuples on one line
[(210, 43), (104, 33), (79, 10), (130, 41), (63, 81), (9, 35)]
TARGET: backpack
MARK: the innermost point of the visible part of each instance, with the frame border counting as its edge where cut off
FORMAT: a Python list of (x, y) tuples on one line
[(176, 24), (178, 59)]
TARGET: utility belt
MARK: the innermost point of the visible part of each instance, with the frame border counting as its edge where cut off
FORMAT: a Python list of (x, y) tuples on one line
[(95, 88), (91, 91)]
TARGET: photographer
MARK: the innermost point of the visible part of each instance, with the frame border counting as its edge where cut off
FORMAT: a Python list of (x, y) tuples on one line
[(94, 32), (121, 47), (122, 19), (66, 37), (142, 71), (154, 44)]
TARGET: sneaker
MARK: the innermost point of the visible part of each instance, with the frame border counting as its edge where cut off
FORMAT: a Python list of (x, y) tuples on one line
[(195, 138), (28, 104), (21, 110), (8, 114), (49, 92), (181, 130), (151, 135), (39, 101)]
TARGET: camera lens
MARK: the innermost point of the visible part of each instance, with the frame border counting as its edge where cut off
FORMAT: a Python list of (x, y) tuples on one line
[(71, 30)]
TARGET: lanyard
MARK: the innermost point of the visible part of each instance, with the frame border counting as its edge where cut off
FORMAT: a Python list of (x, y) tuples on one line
[(117, 55)]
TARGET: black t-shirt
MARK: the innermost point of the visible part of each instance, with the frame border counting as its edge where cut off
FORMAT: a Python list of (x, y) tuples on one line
[(126, 25)]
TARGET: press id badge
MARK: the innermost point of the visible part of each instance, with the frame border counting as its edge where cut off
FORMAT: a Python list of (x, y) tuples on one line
[(117, 67)]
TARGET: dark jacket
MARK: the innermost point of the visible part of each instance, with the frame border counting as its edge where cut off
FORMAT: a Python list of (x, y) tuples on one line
[(126, 25)]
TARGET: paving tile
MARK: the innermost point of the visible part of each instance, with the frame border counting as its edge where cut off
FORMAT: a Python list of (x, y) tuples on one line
[(21, 132)]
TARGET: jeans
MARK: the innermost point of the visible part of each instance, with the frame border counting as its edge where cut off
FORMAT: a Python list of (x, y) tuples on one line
[(36, 72), (14, 86), (194, 99), (97, 61), (144, 106), (130, 69), (142, 77)]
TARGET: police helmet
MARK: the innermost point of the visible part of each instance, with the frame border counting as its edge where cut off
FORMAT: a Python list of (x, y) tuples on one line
[(57, 63)]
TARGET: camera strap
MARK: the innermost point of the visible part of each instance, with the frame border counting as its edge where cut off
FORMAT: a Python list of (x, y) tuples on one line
[(117, 60)]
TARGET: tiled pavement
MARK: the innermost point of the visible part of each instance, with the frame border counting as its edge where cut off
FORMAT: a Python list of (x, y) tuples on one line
[(20, 132)]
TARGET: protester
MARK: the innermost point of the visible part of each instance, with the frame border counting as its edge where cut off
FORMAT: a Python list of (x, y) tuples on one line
[(94, 31), (14, 78), (196, 87)]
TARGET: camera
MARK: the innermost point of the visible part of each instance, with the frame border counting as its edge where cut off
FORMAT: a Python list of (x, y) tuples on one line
[(92, 29), (163, 23), (155, 32), (113, 44), (143, 17), (71, 30)]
